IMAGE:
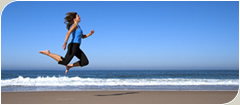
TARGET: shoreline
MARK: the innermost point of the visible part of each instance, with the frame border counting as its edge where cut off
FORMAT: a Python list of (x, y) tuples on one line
[(123, 91), (118, 97)]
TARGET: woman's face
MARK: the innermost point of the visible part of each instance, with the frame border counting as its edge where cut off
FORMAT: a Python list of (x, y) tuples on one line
[(78, 18)]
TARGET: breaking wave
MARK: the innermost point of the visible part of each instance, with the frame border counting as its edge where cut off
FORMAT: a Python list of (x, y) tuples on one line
[(78, 81)]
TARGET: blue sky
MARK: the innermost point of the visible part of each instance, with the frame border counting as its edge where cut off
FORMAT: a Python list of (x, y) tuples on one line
[(128, 35)]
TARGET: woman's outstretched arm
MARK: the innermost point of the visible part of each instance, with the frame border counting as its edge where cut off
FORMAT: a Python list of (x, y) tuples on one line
[(87, 35)]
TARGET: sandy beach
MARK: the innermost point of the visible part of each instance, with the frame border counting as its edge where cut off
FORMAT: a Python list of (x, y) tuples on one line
[(119, 97)]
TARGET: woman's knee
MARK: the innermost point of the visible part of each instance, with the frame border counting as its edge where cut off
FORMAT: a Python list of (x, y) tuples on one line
[(64, 61), (84, 63)]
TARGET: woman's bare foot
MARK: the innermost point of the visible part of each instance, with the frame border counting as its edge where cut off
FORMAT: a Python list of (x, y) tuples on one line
[(67, 68), (46, 52)]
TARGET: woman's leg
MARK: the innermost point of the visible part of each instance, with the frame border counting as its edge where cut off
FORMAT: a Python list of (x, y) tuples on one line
[(71, 65), (83, 60), (54, 56)]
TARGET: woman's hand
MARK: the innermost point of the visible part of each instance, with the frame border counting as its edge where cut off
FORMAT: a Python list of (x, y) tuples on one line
[(92, 32), (64, 45)]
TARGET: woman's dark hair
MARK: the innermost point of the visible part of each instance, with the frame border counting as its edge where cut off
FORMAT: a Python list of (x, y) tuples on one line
[(69, 19)]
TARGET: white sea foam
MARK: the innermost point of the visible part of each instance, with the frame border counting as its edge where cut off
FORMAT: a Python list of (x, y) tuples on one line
[(78, 81)]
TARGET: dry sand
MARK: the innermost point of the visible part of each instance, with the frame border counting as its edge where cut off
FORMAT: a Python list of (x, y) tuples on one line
[(119, 97)]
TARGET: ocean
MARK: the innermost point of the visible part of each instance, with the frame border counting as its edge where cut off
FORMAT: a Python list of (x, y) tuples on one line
[(119, 80)]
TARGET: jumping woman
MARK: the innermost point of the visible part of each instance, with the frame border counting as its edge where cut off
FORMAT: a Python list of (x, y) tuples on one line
[(72, 19)]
